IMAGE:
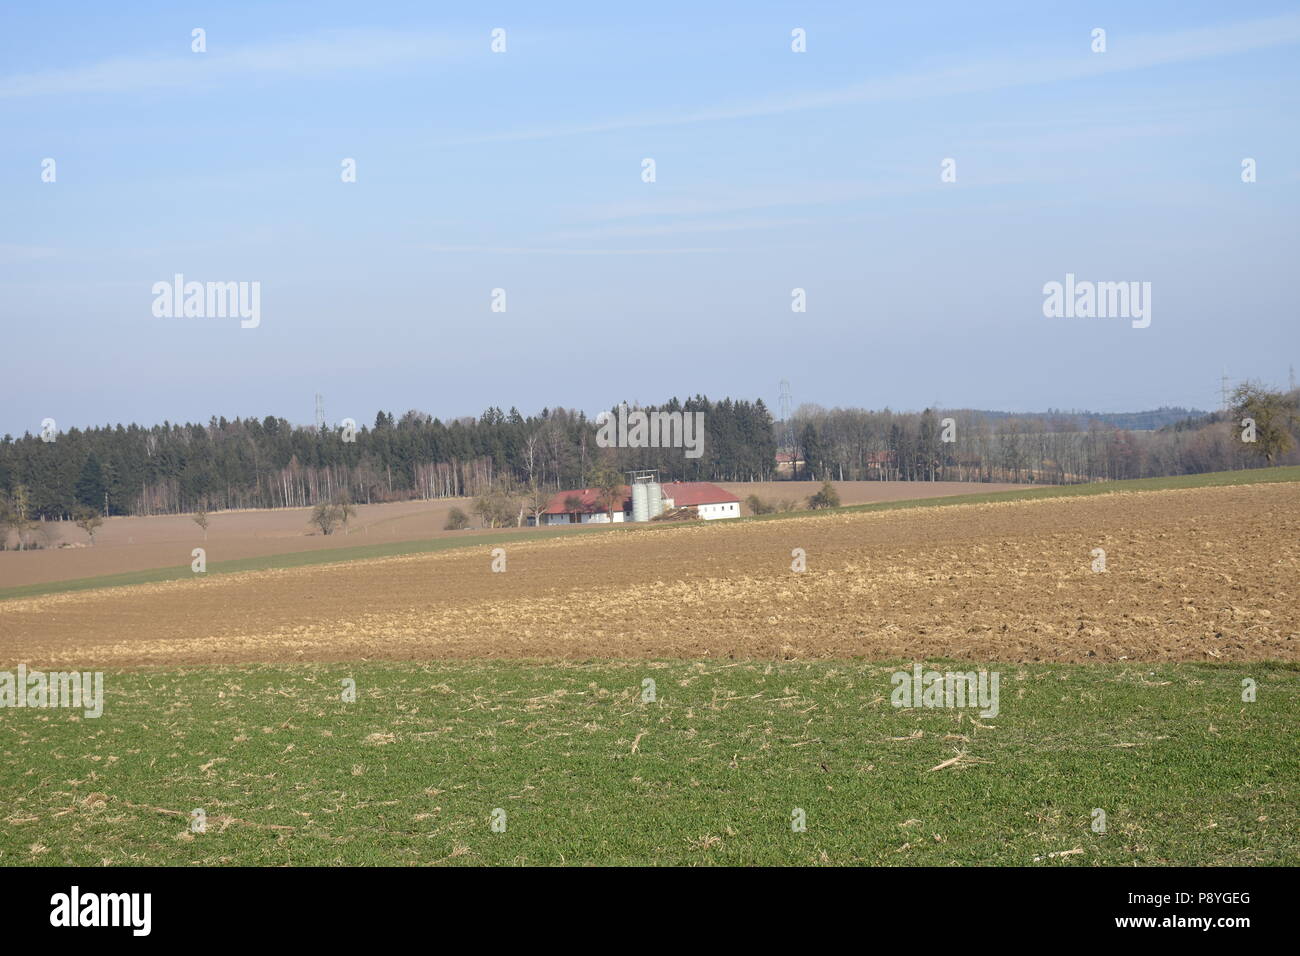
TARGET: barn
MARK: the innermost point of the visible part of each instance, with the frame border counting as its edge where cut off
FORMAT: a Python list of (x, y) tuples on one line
[(583, 505), (711, 501)]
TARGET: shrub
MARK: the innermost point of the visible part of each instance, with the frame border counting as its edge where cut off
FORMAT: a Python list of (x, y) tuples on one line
[(826, 498), (325, 517), (497, 509), (88, 520), (457, 520)]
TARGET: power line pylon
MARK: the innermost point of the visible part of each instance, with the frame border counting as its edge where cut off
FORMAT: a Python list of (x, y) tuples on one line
[(787, 413)]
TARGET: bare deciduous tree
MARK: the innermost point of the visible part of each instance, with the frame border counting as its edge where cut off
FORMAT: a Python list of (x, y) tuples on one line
[(1273, 415), (536, 499), (324, 516), (609, 488), (88, 521)]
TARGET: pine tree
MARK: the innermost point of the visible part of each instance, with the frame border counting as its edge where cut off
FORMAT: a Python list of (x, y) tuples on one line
[(90, 487)]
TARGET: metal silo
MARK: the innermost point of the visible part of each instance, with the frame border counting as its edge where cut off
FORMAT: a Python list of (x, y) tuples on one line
[(640, 502), (655, 494)]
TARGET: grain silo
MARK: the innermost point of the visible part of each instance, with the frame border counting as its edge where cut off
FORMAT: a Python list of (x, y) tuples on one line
[(647, 494), (655, 494), (640, 501)]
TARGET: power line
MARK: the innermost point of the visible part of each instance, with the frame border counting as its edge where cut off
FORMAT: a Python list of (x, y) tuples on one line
[(787, 412)]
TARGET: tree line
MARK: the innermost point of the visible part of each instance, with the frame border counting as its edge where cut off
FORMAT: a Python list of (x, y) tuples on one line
[(966, 445), (267, 463), (512, 463)]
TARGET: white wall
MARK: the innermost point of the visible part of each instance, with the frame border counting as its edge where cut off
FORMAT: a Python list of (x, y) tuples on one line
[(726, 509), (601, 518)]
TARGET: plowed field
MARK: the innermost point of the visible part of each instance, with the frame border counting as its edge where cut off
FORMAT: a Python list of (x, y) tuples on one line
[(139, 543), (1195, 574)]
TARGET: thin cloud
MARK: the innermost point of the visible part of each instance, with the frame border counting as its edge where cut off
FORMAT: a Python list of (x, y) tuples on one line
[(1125, 53), (545, 251), (14, 253), (737, 225), (317, 53), (719, 199)]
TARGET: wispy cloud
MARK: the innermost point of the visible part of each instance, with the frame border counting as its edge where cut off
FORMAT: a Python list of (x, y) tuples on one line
[(13, 253), (548, 251), (313, 54), (1125, 53), (696, 226), (713, 198)]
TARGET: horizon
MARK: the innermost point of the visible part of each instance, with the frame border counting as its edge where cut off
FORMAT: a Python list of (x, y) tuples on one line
[(523, 170), (673, 426), (799, 410)]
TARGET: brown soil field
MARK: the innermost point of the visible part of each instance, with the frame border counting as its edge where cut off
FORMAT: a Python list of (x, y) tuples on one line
[(1192, 574), (140, 544), (861, 492)]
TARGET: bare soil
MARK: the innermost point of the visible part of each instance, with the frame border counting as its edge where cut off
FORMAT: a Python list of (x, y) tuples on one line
[(140, 544), (1207, 574)]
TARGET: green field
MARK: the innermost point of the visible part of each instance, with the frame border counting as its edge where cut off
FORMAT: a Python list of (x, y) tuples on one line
[(364, 552), (710, 773)]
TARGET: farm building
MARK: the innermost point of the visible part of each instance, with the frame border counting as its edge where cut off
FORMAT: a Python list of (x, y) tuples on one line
[(788, 464), (877, 465), (712, 501), (641, 501), (583, 506)]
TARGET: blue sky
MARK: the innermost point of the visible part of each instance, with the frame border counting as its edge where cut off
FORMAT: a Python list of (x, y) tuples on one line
[(522, 171)]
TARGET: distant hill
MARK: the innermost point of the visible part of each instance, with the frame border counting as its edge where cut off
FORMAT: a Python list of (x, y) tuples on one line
[(1134, 421)]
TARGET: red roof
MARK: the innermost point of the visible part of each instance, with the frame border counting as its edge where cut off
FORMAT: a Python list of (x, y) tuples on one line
[(686, 494), (591, 503)]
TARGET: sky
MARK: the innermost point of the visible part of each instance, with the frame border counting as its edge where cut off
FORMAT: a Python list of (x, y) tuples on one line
[(523, 170)]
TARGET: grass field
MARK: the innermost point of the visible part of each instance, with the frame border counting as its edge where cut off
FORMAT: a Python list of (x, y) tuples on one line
[(710, 773), (522, 691)]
